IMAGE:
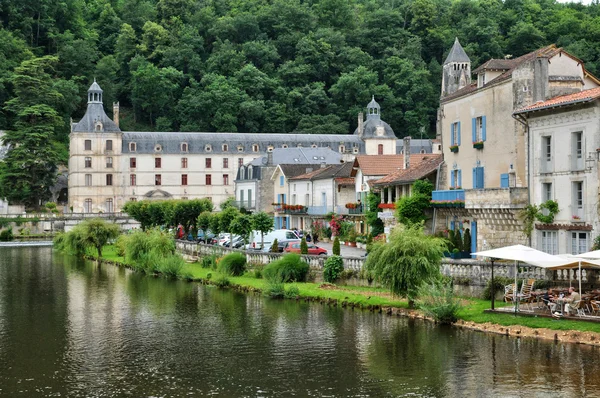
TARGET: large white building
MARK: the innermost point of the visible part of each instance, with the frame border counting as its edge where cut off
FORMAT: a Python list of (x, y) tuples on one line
[(108, 167)]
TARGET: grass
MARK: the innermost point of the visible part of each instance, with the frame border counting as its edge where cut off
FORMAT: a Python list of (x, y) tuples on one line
[(472, 311)]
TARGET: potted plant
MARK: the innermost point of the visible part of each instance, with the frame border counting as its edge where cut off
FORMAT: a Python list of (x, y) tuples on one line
[(352, 238), (454, 148), (455, 254), (478, 145), (466, 247)]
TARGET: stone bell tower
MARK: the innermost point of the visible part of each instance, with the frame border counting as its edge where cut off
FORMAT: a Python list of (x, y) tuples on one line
[(456, 70)]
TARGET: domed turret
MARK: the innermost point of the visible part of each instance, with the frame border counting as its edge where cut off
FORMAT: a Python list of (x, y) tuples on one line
[(374, 127), (95, 119)]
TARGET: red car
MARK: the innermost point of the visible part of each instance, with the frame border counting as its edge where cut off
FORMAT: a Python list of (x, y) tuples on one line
[(294, 247)]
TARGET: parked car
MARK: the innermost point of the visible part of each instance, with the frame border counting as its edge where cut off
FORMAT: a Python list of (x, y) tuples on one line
[(205, 237), (238, 242), (279, 234), (294, 247)]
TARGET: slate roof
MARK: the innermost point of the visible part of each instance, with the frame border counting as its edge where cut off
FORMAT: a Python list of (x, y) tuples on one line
[(95, 112), (496, 64), (301, 156), (370, 128), (197, 142), (382, 165), (416, 146), (293, 170), (420, 167), (563, 100), (457, 53), (333, 171)]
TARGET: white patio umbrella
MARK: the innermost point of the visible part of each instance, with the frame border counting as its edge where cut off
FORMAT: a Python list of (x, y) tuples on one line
[(524, 254), (577, 262)]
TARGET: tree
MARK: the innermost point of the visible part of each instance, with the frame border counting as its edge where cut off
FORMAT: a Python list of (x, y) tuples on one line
[(96, 233), (263, 223), (215, 224), (373, 200), (336, 246), (29, 169), (226, 218), (242, 225), (409, 259), (204, 220), (303, 246)]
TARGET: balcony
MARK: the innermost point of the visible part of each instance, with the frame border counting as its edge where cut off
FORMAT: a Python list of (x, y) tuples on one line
[(450, 198), (244, 204), (496, 198), (290, 209)]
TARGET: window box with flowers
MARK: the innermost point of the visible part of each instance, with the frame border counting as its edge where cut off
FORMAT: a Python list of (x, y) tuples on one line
[(478, 145), (390, 206), (354, 208), (576, 219), (454, 148), (294, 209), (453, 188)]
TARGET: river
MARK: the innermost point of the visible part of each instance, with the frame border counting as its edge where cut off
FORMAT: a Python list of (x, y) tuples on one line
[(71, 328)]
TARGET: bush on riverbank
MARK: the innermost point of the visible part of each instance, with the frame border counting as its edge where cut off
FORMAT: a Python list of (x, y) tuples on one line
[(289, 268), (140, 243), (233, 264), (333, 268), (436, 299), (6, 235), (209, 261)]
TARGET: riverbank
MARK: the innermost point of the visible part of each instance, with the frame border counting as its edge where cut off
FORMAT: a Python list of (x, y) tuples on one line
[(471, 316)]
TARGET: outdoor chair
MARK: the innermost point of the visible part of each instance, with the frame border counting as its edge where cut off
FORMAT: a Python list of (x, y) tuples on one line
[(509, 292), (577, 306), (525, 296), (594, 308)]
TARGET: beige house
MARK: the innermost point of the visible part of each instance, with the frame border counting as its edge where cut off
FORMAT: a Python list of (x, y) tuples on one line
[(484, 178)]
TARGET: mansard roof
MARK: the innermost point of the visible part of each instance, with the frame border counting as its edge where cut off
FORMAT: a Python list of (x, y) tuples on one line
[(457, 54), (95, 113), (197, 142), (301, 156), (370, 129)]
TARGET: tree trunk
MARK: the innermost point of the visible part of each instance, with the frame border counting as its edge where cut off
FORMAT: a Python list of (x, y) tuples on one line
[(99, 253)]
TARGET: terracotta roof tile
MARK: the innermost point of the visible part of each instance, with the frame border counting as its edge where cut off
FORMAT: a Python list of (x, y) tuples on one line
[(419, 168), (562, 100), (382, 165)]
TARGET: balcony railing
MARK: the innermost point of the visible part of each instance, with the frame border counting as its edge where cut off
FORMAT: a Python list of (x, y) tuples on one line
[(450, 198), (246, 204)]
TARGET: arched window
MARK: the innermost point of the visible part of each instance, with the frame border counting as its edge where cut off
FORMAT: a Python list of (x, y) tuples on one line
[(184, 147), (242, 173), (250, 172), (342, 149), (380, 149), (225, 147), (208, 148)]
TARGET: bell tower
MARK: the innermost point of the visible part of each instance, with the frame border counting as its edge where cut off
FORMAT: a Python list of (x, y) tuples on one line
[(456, 70)]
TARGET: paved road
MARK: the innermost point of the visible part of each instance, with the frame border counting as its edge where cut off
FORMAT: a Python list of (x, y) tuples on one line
[(344, 250)]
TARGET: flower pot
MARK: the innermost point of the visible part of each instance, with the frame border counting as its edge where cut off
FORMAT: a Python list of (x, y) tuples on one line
[(465, 254), (456, 256), (352, 244)]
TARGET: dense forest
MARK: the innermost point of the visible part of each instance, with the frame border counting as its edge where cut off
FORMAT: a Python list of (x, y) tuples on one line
[(266, 65)]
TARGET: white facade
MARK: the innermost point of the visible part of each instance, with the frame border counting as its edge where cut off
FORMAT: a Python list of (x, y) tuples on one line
[(564, 168)]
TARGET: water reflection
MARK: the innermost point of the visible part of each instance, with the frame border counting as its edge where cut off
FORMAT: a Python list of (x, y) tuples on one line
[(72, 328)]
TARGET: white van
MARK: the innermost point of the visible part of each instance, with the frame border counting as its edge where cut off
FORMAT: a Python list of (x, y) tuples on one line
[(279, 234)]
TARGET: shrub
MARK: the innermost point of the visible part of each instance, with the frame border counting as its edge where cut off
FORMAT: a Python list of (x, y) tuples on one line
[(369, 243), (292, 292), (436, 299), (287, 269), (222, 281), (258, 273), (233, 264), (332, 269), (121, 245), (275, 246), (170, 266), (303, 246), (275, 288), (467, 241), (6, 235), (209, 261), (208, 276), (336, 246)]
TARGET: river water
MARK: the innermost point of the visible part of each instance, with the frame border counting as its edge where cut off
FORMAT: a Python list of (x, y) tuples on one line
[(71, 328)]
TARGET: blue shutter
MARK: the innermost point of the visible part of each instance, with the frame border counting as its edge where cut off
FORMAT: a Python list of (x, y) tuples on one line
[(483, 128), (458, 133), (473, 237), (459, 178), (504, 180), (281, 180), (474, 130), (451, 133), (452, 178), (480, 183), (475, 177), (452, 225)]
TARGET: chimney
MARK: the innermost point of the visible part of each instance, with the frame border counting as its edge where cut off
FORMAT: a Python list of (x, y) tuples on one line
[(270, 158), (116, 113), (323, 165), (360, 124), (406, 152)]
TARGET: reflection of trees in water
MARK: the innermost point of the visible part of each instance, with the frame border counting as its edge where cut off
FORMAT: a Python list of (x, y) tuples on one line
[(33, 309), (158, 295)]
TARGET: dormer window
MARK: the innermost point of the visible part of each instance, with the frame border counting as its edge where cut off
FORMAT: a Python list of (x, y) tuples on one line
[(342, 149), (254, 147), (98, 126), (157, 148), (184, 147), (481, 79), (313, 146), (225, 147), (207, 148), (284, 146), (240, 148), (132, 147), (270, 148), (299, 145)]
